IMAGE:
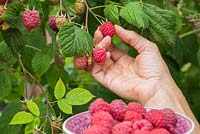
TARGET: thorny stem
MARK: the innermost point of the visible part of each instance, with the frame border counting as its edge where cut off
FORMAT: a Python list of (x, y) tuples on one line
[(26, 72)]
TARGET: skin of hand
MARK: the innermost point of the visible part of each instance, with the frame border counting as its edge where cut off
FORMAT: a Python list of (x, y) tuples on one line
[(131, 78), (144, 78)]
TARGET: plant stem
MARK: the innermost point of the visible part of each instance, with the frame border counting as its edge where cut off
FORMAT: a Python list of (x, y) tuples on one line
[(33, 48), (86, 16), (26, 72), (189, 33), (97, 7)]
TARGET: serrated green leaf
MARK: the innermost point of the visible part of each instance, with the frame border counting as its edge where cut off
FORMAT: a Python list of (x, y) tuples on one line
[(5, 83), (112, 13), (78, 96), (11, 15), (14, 40), (134, 14), (33, 107), (60, 90), (162, 24), (41, 63), (64, 106), (74, 41), (22, 118), (30, 127)]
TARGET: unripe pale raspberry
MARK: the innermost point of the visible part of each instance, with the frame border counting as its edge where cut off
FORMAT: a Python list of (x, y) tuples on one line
[(60, 21), (99, 55), (52, 23), (118, 109), (107, 29), (80, 7), (4, 1), (80, 62), (31, 19)]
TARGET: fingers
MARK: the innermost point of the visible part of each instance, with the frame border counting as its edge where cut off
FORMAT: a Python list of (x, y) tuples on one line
[(98, 36), (134, 39)]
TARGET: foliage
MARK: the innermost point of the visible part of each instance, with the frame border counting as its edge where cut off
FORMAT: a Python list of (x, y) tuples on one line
[(30, 61)]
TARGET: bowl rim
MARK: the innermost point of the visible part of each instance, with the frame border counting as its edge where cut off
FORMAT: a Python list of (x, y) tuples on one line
[(65, 130)]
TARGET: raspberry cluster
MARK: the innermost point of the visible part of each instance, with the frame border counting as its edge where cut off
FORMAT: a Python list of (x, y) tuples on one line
[(120, 118)]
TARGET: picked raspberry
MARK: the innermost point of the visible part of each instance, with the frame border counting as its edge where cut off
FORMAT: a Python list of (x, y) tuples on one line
[(141, 132), (157, 118), (170, 116), (102, 118), (124, 127), (99, 55), (171, 128), (107, 28), (159, 131), (99, 105), (52, 23), (31, 19), (118, 109), (136, 107), (142, 125), (181, 126), (96, 129), (132, 116), (80, 62), (4, 1)]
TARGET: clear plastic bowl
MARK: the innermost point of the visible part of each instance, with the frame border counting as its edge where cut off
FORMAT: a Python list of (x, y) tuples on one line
[(79, 122)]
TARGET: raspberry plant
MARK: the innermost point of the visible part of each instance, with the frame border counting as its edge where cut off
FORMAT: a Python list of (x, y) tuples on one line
[(39, 85)]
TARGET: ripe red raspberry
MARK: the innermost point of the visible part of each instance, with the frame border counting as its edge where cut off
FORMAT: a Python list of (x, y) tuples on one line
[(102, 118), (99, 55), (181, 126), (31, 19), (80, 62), (124, 127), (171, 128), (157, 118), (143, 125), (52, 23), (96, 129), (132, 116), (170, 116), (107, 28), (160, 131), (118, 109), (141, 132), (4, 1), (136, 107), (99, 105)]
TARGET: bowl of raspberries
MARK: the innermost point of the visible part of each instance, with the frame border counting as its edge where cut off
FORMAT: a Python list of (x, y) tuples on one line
[(118, 117)]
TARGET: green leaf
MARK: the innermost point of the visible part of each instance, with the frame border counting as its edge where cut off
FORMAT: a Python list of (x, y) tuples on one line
[(14, 40), (33, 108), (6, 116), (11, 15), (162, 24), (198, 57), (5, 83), (22, 118), (30, 127), (64, 106), (112, 13), (55, 72), (60, 90), (78, 96), (134, 14), (74, 41), (41, 63)]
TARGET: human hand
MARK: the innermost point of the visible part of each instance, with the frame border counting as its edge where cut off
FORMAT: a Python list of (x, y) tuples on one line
[(136, 78)]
